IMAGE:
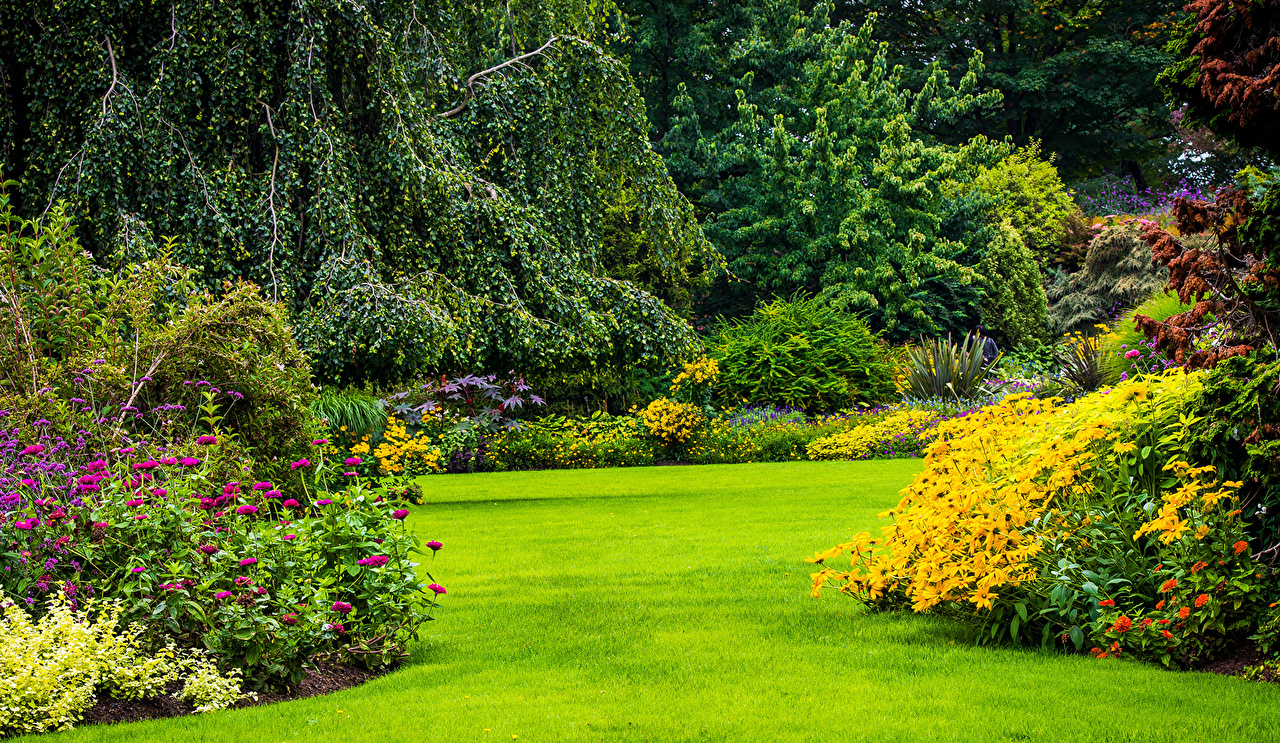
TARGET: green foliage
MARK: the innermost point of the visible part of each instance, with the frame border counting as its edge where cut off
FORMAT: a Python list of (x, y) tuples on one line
[(419, 185), (358, 412), (1080, 364), (1127, 338), (1119, 272), (1016, 306), (943, 368), (804, 353), (1028, 194)]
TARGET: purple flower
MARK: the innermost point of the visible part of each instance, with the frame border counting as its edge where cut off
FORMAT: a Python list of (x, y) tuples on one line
[(271, 494), (248, 561), (262, 486), (33, 449), (189, 462), (375, 560), (207, 440), (341, 607), (437, 588), (247, 510), (222, 595), (160, 492), (138, 570), (299, 463), (399, 514), (149, 464), (351, 461), (208, 549), (291, 503), (435, 546)]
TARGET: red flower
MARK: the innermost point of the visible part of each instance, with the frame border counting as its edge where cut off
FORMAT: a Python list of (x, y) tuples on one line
[(1201, 565), (1184, 612), (1201, 600), (1241, 547), (1163, 621), (1146, 623), (1169, 585), (1106, 602), (1122, 624), (1168, 635)]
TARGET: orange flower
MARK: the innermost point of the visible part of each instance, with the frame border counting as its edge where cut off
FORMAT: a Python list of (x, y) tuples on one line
[(1162, 621), (1106, 602), (1160, 604), (1184, 612), (1201, 565), (1241, 547), (1201, 600), (1115, 648), (1095, 652), (1168, 635), (1122, 624), (1169, 585), (1146, 623)]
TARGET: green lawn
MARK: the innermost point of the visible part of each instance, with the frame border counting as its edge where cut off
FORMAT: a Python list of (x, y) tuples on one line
[(672, 604)]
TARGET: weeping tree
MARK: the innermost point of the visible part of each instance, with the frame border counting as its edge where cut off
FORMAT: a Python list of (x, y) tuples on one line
[(423, 183)]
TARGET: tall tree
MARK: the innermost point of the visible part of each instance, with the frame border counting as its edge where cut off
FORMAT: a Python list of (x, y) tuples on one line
[(424, 182)]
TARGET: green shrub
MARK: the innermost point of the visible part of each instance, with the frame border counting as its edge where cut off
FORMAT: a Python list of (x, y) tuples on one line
[(1118, 273), (1016, 307), (803, 353), (352, 412), (1030, 196), (942, 368)]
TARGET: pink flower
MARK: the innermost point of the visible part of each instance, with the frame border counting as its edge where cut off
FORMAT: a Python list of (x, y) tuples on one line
[(350, 474), (33, 449), (375, 560), (243, 581), (168, 461), (138, 570), (318, 442), (160, 492), (323, 502), (437, 588), (140, 517), (29, 483), (291, 503), (434, 546), (248, 561), (262, 486), (208, 549), (351, 461), (189, 461), (1135, 353), (222, 595), (133, 503), (290, 537), (399, 514), (289, 618), (207, 440), (100, 524), (341, 607), (247, 510), (271, 494), (299, 463), (147, 465)]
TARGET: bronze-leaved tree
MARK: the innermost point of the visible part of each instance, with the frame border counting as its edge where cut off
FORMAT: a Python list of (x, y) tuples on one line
[(423, 183)]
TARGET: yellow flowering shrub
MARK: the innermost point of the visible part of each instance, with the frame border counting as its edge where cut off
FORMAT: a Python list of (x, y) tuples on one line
[(670, 422), (404, 453), (1025, 511), (903, 432), (701, 371), (557, 442)]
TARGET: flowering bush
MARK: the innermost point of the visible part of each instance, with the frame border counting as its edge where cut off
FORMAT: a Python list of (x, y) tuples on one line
[(233, 566), (554, 441), (1028, 514), (901, 434), (671, 423)]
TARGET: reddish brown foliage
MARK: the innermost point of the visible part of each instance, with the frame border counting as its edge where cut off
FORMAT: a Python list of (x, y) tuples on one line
[(1238, 45)]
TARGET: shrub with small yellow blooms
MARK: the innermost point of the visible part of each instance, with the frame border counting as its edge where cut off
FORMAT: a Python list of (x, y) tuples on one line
[(700, 372), (404, 453), (671, 423), (902, 433)]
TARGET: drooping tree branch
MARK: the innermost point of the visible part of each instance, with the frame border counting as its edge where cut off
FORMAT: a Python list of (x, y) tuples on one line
[(471, 81)]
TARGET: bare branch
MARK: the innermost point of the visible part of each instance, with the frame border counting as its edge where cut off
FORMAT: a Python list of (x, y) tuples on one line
[(471, 81), (114, 76)]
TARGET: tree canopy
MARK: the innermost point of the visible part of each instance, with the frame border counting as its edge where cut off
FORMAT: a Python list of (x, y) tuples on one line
[(423, 183)]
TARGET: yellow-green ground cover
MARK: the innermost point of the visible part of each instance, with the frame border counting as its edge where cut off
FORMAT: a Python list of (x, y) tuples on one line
[(672, 604)]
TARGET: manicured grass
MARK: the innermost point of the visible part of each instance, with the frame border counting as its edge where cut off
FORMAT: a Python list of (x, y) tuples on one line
[(672, 604)]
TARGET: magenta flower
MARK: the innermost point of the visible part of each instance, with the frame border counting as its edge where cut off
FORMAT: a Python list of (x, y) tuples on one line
[(33, 449), (318, 442), (207, 440), (435, 546), (147, 465), (299, 463), (29, 482), (1135, 353), (323, 502), (189, 461), (350, 474), (133, 503), (222, 595), (159, 492), (248, 561), (341, 607), (243, 580), (375, 560), (262, 486), (247, 510), (140, 517), (289, 618), (290, 537), (399, 514), (271, 494), (437, 588), (100, 524), (138, 570), (208, 549), (169, 461), (291, 503), (351, 461)]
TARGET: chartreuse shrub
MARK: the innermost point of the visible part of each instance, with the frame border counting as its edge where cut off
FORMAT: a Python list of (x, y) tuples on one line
[(804, 353), (52, 668), (1029, 195), (1059, 525), (902, 434)]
